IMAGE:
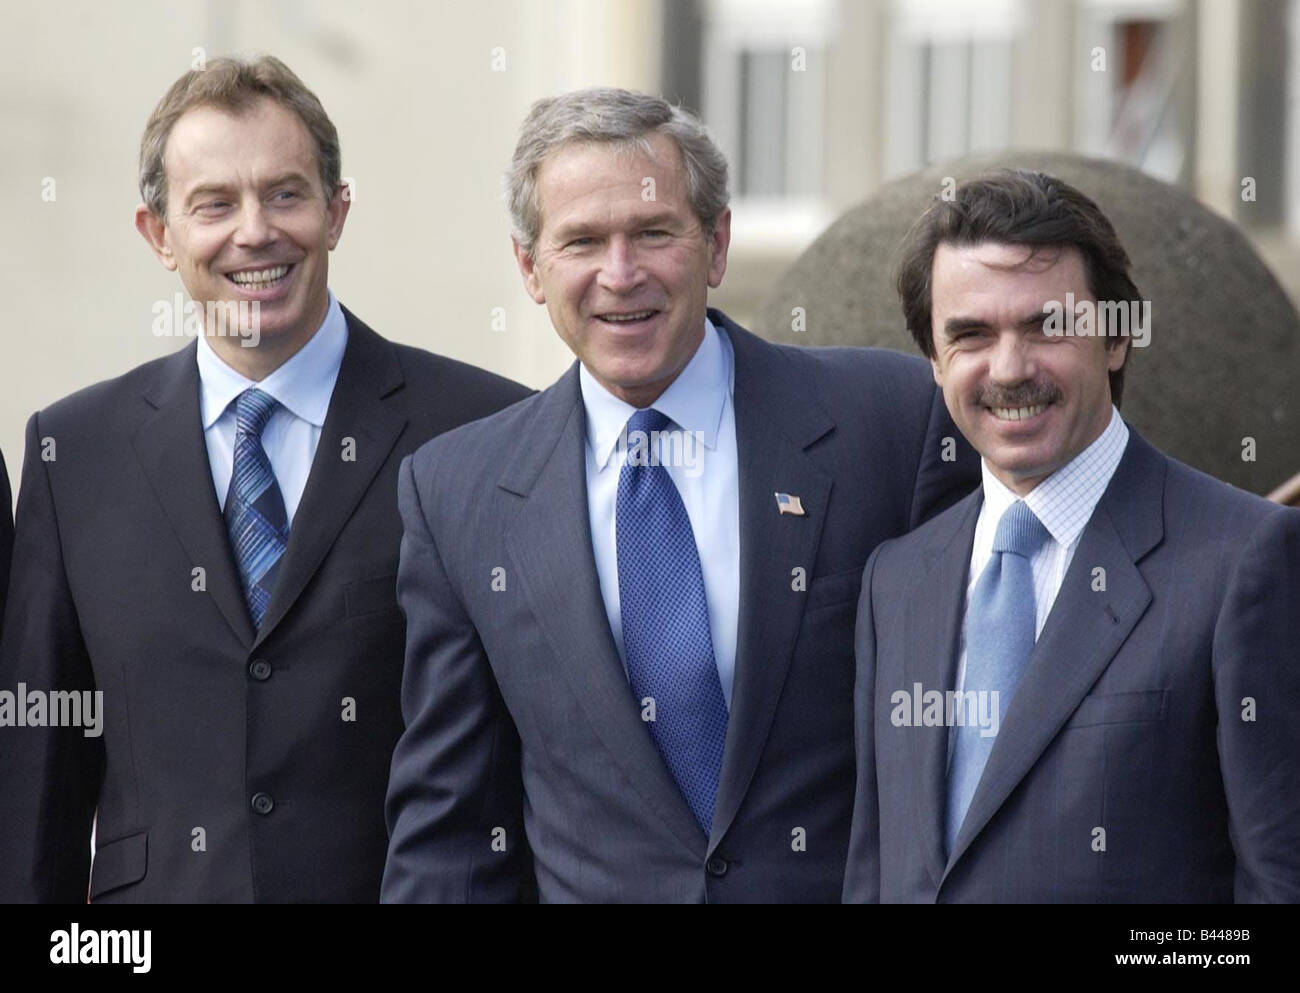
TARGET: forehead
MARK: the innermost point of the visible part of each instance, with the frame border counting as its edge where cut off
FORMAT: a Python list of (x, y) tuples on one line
[(209, 143), (997, 276), (590, 182)]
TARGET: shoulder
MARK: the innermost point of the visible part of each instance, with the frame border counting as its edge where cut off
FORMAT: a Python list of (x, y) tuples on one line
[(899, 557), (479, 446), (837, 375), (1199, 502), (103, 406), (427, 370)]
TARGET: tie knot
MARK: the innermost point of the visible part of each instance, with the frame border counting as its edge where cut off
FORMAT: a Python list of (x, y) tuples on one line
[(1020, 532), (648, 420), (253, 409)]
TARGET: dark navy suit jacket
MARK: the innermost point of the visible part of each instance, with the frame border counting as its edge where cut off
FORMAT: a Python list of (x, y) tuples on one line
[(525, 768), (1151, 752), (234, 764)]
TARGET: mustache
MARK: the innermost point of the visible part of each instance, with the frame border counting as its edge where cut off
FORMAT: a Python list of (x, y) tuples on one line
[(1022, 395)]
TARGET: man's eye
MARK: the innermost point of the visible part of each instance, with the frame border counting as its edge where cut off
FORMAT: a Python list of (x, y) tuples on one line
[(580, 242), (213, 205), (654, 233), (286, 195)]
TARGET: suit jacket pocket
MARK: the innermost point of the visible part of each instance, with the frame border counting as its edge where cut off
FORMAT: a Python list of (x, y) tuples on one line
[(826, 591), (1120, 708), (119, 863), (365, 596)]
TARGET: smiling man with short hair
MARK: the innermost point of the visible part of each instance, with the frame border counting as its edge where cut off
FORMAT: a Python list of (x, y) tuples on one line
[(1117, 633), (211, 541), (629, 678)]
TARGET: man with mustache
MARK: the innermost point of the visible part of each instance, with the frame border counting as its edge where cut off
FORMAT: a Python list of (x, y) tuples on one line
[(1080, 683)]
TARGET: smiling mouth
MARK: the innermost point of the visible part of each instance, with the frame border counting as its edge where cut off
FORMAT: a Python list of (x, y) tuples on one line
[(1017, 413), (631, 317), (260, 279)]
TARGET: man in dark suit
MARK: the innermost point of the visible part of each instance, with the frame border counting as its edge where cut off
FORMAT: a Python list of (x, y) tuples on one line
[(630, 598), (1080, 683), (210, 542)]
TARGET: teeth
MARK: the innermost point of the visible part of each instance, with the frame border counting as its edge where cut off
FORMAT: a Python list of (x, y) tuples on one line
[(1017, 413), (620, 318), (259, 278)]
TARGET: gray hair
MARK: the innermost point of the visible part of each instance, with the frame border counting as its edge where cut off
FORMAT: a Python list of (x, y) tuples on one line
[(618, 117)]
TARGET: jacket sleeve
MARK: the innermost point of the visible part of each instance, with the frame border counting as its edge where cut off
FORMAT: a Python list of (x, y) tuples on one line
[(1257, 689), (455, 791), (49, 777)]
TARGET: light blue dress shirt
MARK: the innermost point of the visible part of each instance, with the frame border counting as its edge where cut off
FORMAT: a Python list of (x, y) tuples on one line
[(1064, 502), (701, 402), (303, 386)]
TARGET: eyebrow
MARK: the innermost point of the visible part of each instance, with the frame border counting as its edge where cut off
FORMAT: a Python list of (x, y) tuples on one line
[(570, 230), (226, 189), (956, 325)]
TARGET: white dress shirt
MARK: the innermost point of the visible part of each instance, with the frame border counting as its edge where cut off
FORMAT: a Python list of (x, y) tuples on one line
[(1064, 502), (701, 404), (303, 386)]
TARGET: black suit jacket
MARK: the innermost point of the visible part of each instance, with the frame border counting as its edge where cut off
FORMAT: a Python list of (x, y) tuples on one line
[(521, 726), (233, 765)]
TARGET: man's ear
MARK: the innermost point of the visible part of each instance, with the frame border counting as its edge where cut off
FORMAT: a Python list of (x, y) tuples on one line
[(153, 229), (528, 269), (337, 209), (1117, 353), (719, 242)]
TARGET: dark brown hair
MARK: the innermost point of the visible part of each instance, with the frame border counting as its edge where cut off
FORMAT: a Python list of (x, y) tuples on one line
[(1014, 207), (234, 85)]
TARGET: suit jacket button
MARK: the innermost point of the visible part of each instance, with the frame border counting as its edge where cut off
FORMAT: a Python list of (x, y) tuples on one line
[(716, 866), (262, 803), (260, 670)]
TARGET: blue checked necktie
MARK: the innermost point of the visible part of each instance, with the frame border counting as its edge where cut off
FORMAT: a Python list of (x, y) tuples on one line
[(665, 619), (255, 516), (1000, 626)]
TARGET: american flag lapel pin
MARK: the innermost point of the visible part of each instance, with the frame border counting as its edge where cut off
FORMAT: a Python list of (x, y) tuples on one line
[(788, 503)]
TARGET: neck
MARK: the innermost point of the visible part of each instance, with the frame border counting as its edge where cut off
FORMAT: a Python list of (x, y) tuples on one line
[(257, 356)]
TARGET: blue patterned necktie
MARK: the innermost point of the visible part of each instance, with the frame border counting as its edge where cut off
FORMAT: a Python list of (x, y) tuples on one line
[(665, 618), (1000, 628), (255, 515)]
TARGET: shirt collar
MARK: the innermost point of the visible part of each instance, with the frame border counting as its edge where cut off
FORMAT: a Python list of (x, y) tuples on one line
[(1065, 500), (694, 401), (303, 385)]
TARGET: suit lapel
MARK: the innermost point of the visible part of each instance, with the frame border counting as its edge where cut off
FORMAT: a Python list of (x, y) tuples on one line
[(1084, 630), (549, 543), (776, 420), (174, 457), (358, 410), (931, 664)]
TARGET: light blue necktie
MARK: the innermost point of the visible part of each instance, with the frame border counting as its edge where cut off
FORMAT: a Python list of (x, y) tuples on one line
[(665, 618), (1000, 628), (255, 515)]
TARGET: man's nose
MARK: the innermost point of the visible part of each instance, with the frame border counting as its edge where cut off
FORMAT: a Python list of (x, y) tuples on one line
[(1012, 360), (620, 270), (254, 226)]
